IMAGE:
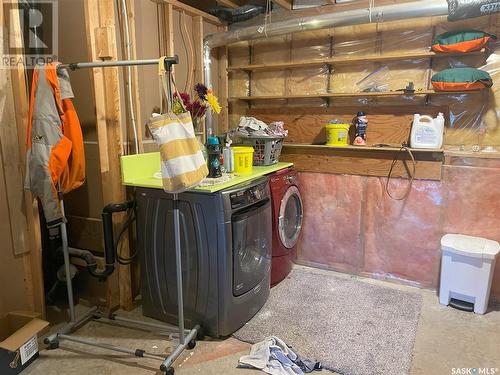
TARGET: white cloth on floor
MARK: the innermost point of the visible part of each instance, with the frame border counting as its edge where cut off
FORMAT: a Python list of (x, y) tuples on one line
[(272, 356)]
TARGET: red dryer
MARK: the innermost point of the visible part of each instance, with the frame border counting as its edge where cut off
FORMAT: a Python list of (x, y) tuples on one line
[(287, 221)]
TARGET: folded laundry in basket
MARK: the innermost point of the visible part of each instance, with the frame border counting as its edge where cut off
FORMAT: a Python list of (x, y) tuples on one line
[(251, 124), (275, 357)]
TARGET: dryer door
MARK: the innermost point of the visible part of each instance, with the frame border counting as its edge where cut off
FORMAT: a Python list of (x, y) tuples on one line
[(290, 217)]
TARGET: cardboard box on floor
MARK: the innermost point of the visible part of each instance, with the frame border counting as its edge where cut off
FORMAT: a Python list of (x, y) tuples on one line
[(19, 346)]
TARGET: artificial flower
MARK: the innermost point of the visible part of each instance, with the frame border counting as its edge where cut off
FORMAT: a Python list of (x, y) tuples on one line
[(201, 90), (212, 101), (197, 109), (186, 99), (177, 107)]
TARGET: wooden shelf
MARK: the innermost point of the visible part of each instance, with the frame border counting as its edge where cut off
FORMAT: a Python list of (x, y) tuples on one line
[(363, 148), (346, 60), (472, 154), (352, 94), (362, 160)]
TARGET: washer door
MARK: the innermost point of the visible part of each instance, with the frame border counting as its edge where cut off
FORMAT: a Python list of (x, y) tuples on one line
[(290, 217), (252, 238)]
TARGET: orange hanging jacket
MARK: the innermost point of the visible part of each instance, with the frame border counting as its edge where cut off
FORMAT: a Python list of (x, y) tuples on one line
[(55, 143)]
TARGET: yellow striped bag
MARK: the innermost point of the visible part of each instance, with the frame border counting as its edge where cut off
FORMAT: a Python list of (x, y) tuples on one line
[(182, 163)]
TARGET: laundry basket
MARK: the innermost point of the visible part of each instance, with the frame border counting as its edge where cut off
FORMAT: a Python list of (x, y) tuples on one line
[(267, 150)]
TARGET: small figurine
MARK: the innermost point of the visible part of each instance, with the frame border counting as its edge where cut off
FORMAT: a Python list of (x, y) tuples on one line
[(361, 123)]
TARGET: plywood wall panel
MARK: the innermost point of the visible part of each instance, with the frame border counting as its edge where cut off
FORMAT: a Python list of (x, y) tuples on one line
[(305, 125), (400, 37), (351, 78), (268, 83), (400, 73), (311, 45), (309, 81), (239, 54), (355, 40), (271, 50), (238, 83)]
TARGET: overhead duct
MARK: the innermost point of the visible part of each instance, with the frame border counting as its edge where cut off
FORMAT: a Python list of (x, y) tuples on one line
[(423, 8)]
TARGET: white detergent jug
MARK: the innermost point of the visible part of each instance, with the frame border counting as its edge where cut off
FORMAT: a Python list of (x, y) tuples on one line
[(427, 132)]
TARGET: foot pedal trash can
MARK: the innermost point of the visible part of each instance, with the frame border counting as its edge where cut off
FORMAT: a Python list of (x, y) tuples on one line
[(467, 267)]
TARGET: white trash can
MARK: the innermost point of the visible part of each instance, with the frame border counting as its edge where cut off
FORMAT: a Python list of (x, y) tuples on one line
[(467, 267)]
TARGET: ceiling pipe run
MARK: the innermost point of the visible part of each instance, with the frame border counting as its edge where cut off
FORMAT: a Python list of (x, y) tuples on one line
[(423, 8)]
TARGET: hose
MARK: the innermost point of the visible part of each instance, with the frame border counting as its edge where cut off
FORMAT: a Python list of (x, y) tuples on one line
[(124, 261), (404, 147)]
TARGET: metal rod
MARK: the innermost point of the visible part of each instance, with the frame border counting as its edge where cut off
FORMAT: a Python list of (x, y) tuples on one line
[(180, 348), (113, 63), (67, 269), (178, 261), (118, 318), (134, 352), (70, 326)]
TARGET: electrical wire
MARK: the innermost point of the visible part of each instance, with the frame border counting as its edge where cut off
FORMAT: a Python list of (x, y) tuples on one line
[(128, 82), (404, 147), (268, 17), (189, 50)]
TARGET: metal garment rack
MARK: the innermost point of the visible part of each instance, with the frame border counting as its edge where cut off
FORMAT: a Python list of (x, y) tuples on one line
[(186, 337)]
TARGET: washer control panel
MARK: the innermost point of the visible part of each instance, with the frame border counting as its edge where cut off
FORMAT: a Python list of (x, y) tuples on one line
[(248, 196)]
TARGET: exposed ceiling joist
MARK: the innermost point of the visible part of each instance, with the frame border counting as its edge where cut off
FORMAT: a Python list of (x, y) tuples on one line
[(287, 4), (191, 11), (228, 3)]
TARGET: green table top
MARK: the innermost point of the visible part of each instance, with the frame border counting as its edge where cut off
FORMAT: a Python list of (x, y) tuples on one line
[(139, 170)]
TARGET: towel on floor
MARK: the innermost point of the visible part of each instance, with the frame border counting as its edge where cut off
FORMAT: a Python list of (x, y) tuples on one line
[(275, 357)]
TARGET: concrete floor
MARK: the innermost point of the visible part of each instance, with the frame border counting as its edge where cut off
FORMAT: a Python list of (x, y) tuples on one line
[(446, 339)]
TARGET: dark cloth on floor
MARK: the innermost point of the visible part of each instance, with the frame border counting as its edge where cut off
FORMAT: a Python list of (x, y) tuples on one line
[(275, 357)]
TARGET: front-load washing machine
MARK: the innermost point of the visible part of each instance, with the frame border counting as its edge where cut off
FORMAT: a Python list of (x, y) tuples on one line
[(226, 255), (287, 221)]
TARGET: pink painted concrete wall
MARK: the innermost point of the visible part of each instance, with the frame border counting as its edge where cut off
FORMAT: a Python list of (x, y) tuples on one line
[(351, 225)]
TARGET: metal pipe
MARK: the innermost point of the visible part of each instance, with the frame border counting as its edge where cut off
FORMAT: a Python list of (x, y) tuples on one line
[(70, 326), (208, 79), (134, 352), (112, 63), (69, 283), (180, 348), (423, 8), (118, 318), (178, 260)]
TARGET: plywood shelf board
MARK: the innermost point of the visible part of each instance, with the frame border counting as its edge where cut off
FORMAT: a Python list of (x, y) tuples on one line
[(306, 125), (352, 94), (363, 148), (323, 160), (346, 60)]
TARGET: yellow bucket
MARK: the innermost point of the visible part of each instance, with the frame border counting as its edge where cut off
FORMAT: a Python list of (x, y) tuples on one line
[(337, 134), (243, 158)]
